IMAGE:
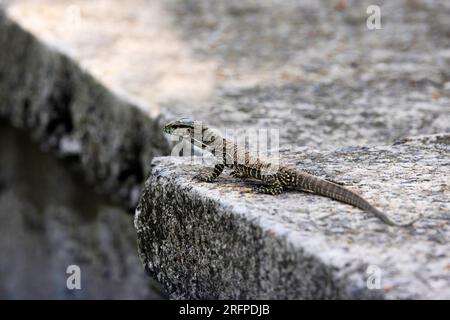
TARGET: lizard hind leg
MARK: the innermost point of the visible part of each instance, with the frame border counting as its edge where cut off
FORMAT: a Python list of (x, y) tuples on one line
[(273, 185)]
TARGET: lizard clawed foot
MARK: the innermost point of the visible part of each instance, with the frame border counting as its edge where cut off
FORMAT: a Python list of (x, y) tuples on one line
[(204, 177), (269, 190)]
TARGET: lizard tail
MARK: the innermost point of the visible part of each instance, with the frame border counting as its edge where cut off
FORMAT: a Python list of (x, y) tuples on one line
[(305, 181)]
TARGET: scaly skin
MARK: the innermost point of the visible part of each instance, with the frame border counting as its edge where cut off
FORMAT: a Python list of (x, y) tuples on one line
[(276, 178)]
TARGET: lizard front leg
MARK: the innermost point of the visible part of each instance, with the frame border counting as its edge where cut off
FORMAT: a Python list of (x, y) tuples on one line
[(211, 176)]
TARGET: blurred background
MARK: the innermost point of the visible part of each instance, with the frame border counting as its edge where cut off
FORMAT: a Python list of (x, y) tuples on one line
[(51, 219), (327, 73)]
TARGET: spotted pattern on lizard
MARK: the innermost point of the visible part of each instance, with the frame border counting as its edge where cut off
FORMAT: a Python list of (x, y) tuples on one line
[(275, 178)]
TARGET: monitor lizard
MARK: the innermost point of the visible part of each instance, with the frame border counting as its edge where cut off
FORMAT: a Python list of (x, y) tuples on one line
[(275, 177)]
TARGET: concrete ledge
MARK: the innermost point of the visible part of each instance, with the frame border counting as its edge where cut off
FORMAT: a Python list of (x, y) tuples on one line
[(67, 110), (203, 240)]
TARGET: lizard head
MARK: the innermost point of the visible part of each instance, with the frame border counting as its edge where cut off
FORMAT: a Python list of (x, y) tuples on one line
[(187, 129), (181, 128)]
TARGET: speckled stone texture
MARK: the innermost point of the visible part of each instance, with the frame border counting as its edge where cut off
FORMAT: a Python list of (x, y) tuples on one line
[(309, 68), (202, 240), (314, 70), (63, 107)]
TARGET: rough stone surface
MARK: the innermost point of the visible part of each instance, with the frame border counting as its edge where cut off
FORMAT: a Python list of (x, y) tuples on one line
[(203, 240), (66, 109), (315, 71), (309, 68)]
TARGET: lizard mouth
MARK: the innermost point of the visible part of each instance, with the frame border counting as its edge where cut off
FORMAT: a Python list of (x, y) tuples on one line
[(176, 130), (176, 127), (184, 128)]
